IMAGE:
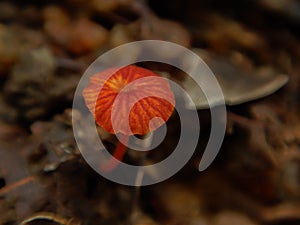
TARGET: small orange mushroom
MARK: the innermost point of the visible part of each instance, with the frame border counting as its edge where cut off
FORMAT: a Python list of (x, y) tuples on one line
[(133, 90)]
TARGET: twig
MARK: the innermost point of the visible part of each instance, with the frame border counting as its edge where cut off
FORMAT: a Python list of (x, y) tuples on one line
[(16, 184), (52, 217)]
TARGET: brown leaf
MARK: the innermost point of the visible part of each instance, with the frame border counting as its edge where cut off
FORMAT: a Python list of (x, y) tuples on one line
[(239, 85), (21, 193)]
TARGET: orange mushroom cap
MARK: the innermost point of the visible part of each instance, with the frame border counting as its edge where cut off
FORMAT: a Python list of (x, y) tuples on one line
[(104, 96)]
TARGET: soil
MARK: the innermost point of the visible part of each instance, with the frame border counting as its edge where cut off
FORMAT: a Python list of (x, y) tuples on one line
[(253, 48)]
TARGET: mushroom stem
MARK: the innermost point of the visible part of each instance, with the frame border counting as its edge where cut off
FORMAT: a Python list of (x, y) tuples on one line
[(117, 155)]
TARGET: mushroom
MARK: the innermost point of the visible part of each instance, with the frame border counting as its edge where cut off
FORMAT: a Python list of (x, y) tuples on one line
[(126, 101)]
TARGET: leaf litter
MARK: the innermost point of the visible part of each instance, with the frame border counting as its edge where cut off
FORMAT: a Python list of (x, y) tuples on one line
[(43, 177)]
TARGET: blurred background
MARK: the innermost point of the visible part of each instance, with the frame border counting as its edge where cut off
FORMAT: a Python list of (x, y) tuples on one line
[(253, 48)]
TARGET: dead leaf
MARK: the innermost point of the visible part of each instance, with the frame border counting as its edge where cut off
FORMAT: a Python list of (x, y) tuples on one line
[(238, 84), (22, 191)]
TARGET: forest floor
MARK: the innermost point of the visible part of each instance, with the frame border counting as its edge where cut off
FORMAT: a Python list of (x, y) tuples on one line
[(45, 47)]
